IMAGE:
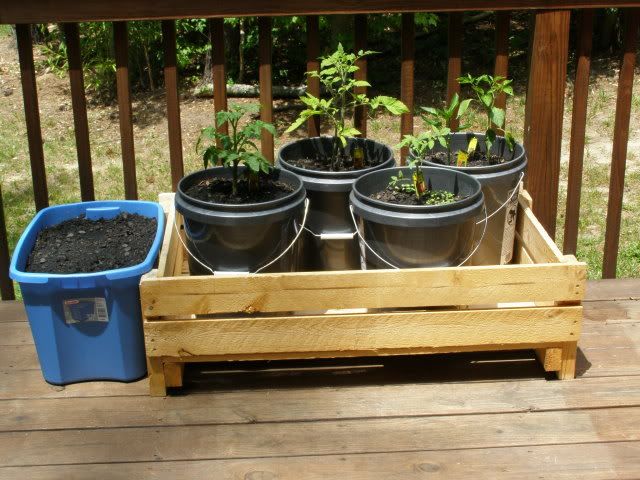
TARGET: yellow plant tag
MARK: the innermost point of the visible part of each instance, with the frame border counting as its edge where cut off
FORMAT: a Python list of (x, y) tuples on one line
[(358, 157), (420, 184), (462, 158), (473, 144)]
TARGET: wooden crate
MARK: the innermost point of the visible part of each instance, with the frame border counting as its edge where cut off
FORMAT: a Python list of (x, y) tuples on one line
[(534, 303)]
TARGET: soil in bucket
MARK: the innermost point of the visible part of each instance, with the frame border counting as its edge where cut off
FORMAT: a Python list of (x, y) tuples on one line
[(81, 245), (219, 190)]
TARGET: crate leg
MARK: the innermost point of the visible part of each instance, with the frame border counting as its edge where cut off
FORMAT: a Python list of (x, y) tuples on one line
[(157, 383), (568, 367), (173, 374), (550, 358)]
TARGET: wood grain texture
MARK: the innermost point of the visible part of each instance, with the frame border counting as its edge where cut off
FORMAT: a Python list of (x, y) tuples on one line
[(266, 79), (218, 70), (408, 43), (620, 141), (318, 404), (174, 127), (313, 64), (324, 438), (454, 68), (79, 105), (544, 112), (6, 284), (379, 289), (589, 461), (121, 44), (40, 11), (538, 243), (578, 127), (501, 66), (360, 43), (32, 115)]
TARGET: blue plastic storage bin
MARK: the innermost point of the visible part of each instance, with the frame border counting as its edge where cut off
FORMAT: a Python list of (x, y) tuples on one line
[(101, 337)]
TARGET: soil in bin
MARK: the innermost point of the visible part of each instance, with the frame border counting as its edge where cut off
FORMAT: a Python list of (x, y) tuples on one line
[(218, 190), (345, 163), (476, 159), (80, 245), (430, 197)]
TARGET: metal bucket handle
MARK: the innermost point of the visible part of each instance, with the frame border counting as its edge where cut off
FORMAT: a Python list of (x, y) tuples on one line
[(216, 273), (395, 267), (515, 190)]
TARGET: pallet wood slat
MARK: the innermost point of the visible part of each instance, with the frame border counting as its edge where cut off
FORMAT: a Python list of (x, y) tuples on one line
[(284, 316), (313, 64), (620, 143), (79, 106), (173, 101), (32, 115), (266, 88), (578, 128), (408, 43), (454, 68), (121, 44), (360, 43), (40, 11), (6, 284), (544, 112), (218, 70)]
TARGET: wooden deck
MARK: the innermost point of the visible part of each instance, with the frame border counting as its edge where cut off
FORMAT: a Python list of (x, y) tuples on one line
[(487, 415)]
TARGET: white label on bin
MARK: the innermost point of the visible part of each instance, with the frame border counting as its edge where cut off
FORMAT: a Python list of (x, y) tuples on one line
[(79, 310), (509, 231)]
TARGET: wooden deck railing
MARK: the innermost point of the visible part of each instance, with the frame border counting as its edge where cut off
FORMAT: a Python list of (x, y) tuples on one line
[(544, 104)]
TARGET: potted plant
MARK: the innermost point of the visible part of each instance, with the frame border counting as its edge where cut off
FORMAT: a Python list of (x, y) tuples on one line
[(240, 214), (498, 162), (329, 165), (417, 216)]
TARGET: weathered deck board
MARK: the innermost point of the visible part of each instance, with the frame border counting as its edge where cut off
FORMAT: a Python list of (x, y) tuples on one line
[(492, 415)]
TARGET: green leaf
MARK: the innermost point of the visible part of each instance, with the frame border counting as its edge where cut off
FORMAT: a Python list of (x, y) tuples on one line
[(393, 105), (487, 99), (464, 105), (497, 116), (361, 83), (350, 132)]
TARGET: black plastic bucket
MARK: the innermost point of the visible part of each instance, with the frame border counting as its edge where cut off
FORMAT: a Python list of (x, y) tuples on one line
[(499, 183), (412, 236), (330, 243), (240, 238)]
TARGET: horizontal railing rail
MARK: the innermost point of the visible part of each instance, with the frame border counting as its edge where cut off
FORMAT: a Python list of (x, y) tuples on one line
[(544, 103)]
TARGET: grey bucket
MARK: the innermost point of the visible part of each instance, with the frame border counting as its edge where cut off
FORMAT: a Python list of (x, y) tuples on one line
[(240, 238), (412, 236), (328, 194), (498, 185)]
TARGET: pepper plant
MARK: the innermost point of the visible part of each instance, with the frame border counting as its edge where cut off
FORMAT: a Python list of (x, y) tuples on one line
[(337, 77), (237, 147), (440, 119), (486, 89)]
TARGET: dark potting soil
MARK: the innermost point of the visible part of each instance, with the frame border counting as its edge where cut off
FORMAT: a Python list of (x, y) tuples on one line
[(80, 245), (430, 197), (476, 159), (322, 163), (218, 190)]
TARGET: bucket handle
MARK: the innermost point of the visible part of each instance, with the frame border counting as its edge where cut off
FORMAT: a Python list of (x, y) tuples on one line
[(395, 267), (515, 190), (215, 273)]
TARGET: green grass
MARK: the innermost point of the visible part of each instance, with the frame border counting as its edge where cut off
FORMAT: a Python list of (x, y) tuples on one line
[(5, 30)]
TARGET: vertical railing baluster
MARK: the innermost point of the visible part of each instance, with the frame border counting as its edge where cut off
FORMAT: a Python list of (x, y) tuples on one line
[(216, 27), (454, 69), (6, 285), (545, 110), (173, 101), (360, 114), (313, 83), (620, 140), (266, 94), (79, 105), (501, 66), (32, 115), (407, 78), (578, 127), (121, 43)]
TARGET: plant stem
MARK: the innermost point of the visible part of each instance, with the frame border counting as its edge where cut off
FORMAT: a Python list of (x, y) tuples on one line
[(234, 182)]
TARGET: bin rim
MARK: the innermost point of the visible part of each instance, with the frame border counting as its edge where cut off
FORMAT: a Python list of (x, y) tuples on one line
[(18, 274)]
